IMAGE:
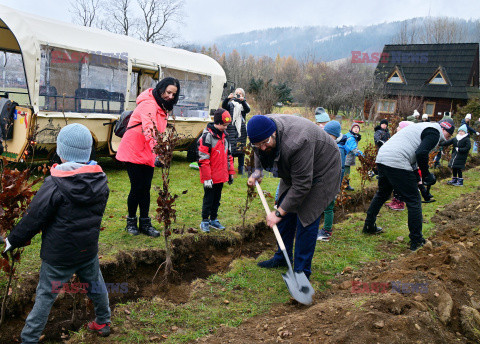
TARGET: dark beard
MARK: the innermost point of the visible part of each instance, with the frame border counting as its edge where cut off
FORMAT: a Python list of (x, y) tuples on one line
[(267, 159)]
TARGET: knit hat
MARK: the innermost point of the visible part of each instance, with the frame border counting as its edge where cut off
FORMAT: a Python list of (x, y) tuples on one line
[(221, 116), (448, 125), (260, 128), (333, 128), (463, 127), (404, 124), (384, 121), (424, 116), (321, 116), (355, 124), (468, 116), (74, 143), (416, 113)]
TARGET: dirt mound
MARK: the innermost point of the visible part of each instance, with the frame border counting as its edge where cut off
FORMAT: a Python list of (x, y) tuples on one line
[(430, 296)]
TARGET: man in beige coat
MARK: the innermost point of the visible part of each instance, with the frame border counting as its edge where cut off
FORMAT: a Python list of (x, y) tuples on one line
[(308, 162)]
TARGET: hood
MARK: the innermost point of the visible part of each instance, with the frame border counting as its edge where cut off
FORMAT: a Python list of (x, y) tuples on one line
[(86, 184), (146, 95)]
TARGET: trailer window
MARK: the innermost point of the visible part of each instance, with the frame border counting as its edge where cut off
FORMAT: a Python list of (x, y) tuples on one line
[(13, 83), (73, 81), (194, 93)]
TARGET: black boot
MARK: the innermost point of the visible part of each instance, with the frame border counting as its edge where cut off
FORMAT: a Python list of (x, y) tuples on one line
[(349, 188), (147, 228), (368, 229), (132, 227)]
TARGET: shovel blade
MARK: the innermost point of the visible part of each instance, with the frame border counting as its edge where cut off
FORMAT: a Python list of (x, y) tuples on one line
[(299, 286)]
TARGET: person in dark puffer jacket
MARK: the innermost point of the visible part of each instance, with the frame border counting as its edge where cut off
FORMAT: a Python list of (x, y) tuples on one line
[(237, 106), (216, 167), (461, 147), (381, 133), (68, 210)]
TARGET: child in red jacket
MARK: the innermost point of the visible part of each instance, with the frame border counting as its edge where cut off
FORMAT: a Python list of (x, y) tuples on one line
[(216, 167)]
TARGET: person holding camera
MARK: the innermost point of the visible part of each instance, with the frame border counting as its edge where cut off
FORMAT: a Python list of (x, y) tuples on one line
[(396, 163), (237, 106)]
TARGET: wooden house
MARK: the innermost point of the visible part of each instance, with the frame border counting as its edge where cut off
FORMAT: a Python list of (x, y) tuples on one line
[(431, 78)]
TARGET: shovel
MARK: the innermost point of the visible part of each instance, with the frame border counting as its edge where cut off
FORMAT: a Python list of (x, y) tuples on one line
[(297, 283)]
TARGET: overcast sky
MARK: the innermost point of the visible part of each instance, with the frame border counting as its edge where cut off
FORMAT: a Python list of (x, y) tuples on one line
[(205, 19)]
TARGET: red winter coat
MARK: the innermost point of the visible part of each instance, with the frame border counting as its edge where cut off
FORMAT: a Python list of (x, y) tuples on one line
[(137, 143), (215, 159)]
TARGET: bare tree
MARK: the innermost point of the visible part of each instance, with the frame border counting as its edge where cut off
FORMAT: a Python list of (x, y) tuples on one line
[(85, 12), (123, 20), (156, 14), (407, 104), (442, 30), (408, 33)]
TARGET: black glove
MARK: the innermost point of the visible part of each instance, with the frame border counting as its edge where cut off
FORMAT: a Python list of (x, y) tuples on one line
[(158, 162), (230, 179), (430, 179)]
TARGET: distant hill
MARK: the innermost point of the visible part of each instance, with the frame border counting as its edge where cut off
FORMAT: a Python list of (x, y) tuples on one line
[(323, 43)]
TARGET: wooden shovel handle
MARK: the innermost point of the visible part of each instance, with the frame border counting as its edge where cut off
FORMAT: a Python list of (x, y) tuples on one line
[(267, 210)]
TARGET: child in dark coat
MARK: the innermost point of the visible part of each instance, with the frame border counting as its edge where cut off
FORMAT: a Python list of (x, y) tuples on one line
[(68, 210), (381, 133), (461, 147), (216, 167)]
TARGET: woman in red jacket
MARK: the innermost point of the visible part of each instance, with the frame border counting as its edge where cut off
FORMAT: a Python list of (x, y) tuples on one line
[(136, 150)]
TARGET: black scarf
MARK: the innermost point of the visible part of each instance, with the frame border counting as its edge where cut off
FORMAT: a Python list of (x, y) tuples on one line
[(160, 89), (357, 137)]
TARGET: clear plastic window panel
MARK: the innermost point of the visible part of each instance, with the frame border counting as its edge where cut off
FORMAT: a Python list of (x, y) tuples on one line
[(75, 81), (194, 95), (13, 82)]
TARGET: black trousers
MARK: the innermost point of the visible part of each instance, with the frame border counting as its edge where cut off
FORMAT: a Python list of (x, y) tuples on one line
[(211, 201), (457, 172), (405, 185), (140, 183)]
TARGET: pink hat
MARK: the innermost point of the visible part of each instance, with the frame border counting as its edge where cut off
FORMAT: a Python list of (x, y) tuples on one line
[(404, 124)]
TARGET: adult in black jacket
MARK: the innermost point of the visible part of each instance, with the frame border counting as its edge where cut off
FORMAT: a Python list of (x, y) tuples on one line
[(461, 147), (381, 133), (237, 106), (68, 210)]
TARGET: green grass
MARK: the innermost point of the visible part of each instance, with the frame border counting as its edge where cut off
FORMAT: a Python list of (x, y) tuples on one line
[(250, 291)]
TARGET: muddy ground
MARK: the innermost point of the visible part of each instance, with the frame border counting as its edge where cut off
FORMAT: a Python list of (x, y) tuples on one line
[(430, 296), (199, 257)]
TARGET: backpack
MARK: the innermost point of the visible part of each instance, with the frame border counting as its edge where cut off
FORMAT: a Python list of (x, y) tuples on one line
[(121, 125), (7, 110)]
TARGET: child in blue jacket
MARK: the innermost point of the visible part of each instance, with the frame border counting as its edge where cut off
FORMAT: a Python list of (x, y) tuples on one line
[(333, 128)]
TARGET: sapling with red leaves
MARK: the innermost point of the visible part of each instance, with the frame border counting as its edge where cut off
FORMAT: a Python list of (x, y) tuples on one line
[(367, 165), (15, 195), (251, 191), (166, 212)]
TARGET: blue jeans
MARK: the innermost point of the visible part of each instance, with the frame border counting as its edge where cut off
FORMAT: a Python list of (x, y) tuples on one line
[(50, 278), (291, 228)]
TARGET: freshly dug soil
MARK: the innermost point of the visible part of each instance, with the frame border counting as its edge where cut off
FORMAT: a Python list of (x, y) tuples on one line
[(429, 296)]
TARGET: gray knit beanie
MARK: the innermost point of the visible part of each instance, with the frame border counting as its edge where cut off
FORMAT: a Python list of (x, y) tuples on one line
[(74, 143)]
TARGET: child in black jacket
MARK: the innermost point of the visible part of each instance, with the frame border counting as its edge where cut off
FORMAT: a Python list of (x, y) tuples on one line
[(461, 147), (68, 210)]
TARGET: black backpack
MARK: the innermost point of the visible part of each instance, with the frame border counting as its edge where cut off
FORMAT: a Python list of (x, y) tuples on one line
[(121, 125), (7, 110)]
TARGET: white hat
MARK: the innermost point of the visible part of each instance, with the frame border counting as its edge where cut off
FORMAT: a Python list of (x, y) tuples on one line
[(468, 116), (424, 116), (416, 113)]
